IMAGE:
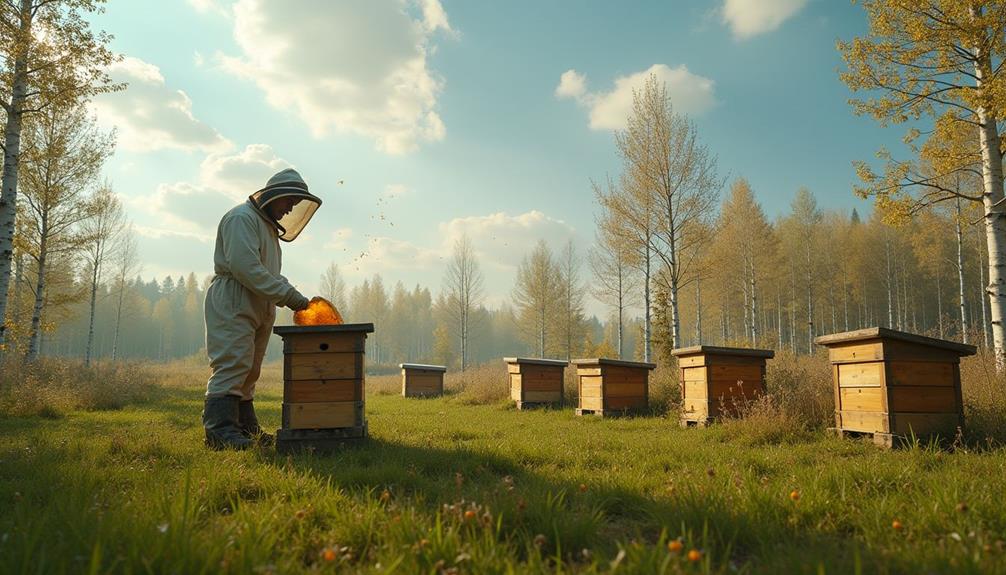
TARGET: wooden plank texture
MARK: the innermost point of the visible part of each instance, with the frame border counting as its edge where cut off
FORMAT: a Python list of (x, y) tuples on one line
[(858, 352), (336, 365), (321, 415), (691, 361), (693, 374), (861, 374), (925, 423), (865, 421), (924, 399), (745, 373), (921, 373), (314, 391), (624, 389), (861, 399), (542, 396), (624, 402), (324, 343), (590, 403)]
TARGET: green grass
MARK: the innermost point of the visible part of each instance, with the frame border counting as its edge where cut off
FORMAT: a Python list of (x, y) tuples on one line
[(134, 491)]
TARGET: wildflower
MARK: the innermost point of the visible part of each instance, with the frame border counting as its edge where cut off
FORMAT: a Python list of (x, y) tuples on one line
[(675, 546), (300, 514), (540, 540), (583, 488), (962, 507), (694, 555), (328, 554), (385, 496), (469, 514), (896, 525), (794, 495)]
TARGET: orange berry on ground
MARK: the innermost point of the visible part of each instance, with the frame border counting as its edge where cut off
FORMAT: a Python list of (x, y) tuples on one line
[(328, 554), (469, 514), (794, 495), (694, 555), (675, 546), (897, 525)]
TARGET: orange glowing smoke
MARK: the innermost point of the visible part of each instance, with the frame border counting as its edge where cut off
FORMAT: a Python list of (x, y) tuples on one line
[(318, 312)]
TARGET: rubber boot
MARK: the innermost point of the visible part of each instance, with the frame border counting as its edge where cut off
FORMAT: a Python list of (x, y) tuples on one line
[(248, 423), (220, 419)]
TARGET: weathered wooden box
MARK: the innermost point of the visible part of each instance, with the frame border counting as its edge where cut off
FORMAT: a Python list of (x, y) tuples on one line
[(420, 380), (323, 385), (717, 381), (608, 387), (535, 382), (893, 384)]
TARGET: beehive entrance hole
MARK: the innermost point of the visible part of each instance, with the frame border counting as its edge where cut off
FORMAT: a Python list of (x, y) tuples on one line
[(323, 347)]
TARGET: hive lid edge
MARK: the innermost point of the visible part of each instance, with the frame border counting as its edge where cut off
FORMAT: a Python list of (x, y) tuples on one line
[(282, 330)]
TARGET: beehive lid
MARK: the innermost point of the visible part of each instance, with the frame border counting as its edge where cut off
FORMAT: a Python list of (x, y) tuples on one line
[(536, 361), (875, 333), (285, 330), (422, 366), (617, 362), (713, 350)]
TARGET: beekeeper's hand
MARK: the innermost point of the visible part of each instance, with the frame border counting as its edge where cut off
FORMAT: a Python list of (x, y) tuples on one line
[(298, 302)]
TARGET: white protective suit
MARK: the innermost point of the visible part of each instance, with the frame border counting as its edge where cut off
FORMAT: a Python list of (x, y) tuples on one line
[(241, 302)]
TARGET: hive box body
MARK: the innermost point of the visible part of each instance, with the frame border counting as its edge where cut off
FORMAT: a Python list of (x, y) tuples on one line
[(892, 384), (420, 380), (535, 382), (323, 385), (718, 381), (612, 386)]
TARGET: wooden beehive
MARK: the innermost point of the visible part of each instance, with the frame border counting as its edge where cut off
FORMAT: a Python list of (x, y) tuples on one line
[(419, 380), (323, 385), (612, 387), (891, 384), (535, 382), (717, 381)]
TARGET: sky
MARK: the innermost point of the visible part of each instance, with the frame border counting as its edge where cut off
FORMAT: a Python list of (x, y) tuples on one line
[(419, 121)]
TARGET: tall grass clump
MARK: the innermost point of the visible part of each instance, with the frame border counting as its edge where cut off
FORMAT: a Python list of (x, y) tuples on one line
[(800, 388), (984, 395), (53, 387)]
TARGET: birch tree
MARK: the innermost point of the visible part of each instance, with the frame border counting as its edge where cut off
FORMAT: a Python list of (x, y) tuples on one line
[(666, 162), (938, 64), (571, 294), (64, 154), (48, 57), (614, 281), (104, 222), (333, 288), (631, 219), (464, 285), (127, 263), (536, 297)]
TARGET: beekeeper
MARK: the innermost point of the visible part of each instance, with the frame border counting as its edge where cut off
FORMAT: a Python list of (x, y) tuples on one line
[(241, 302)]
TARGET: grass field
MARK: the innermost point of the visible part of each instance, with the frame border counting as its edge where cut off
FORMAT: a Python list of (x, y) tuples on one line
[(466, 484)]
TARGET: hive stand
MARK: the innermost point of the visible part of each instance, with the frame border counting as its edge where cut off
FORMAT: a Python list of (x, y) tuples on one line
[(718, 381), (420, 380), (323, 386), (611, 387), (892, 385), (535, 382)]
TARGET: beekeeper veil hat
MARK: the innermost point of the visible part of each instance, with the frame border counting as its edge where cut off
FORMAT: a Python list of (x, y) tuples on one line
[(288, 184)]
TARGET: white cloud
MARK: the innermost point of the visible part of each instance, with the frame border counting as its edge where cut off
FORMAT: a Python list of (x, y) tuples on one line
[(339, 240), (572, 84), (151, 116), (207, 6), (240, 174), (225, 180), (690, 94), (395, 191), (749, 18), (501, 240), (352, 67)]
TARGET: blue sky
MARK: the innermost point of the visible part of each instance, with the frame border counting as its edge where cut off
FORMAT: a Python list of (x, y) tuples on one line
[(444, 118)]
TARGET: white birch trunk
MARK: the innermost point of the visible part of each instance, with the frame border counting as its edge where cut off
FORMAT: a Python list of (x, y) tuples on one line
[(960, 274), (698, 311), (981, 284), (754, 307), (647, 327), (8, 183), (995, 213), (90, 323), (34, 337)]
